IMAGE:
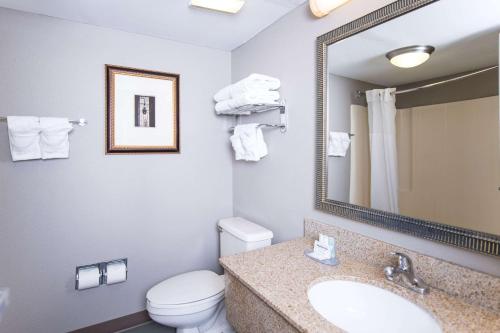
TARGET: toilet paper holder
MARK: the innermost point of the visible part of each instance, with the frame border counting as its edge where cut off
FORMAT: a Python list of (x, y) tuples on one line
[(104, 269), (102, 266), (83, 267)]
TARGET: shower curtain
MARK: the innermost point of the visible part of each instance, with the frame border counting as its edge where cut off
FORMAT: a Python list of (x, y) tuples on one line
[(383, 154)]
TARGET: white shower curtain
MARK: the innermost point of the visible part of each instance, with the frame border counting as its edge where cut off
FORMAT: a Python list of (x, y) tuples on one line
[(383, 153)]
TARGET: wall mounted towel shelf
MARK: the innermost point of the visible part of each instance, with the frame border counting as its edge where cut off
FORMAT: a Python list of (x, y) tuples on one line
[(246, 110), (258, 108), (79, 122)]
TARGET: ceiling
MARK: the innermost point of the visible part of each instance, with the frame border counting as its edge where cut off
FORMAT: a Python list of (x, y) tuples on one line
[(465, 35), (168, 19)]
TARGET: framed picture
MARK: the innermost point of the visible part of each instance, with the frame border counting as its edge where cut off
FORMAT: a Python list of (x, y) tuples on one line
[(142, 111)]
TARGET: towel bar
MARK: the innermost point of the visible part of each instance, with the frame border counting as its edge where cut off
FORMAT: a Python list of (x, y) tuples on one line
[(79, 122), (283, 125)]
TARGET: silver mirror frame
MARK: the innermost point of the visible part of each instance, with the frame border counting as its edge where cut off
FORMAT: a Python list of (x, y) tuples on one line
[(460, 237)]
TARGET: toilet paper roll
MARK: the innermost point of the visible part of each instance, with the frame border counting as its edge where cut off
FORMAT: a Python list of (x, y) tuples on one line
[(88, 277), (116, 272)]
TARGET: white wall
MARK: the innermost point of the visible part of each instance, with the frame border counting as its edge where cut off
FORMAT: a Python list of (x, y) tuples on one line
[(55, 215), (278, 192)]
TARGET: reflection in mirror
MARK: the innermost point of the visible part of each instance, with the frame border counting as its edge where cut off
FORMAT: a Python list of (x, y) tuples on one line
[(419, 141)]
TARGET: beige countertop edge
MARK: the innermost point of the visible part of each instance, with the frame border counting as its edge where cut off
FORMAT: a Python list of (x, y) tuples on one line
[(268, 302), (280, 275)]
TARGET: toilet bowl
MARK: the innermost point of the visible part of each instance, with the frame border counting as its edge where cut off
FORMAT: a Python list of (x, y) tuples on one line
[(193, 302)]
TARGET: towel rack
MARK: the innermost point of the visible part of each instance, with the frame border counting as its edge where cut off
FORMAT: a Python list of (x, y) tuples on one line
[(281, 127), (257, 108), (79, 122), (246, 110), (351, 135)]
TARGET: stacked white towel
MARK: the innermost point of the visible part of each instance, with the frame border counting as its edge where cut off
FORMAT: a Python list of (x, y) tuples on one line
[(255, 89), (248, 142), (54, 138), (24, 138), (252, 82), (34, 138)]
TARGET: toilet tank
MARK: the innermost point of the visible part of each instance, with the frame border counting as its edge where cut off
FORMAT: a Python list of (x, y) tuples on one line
[(240, 235)]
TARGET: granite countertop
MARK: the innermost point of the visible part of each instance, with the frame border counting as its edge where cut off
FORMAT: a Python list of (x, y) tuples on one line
[(281, 276)]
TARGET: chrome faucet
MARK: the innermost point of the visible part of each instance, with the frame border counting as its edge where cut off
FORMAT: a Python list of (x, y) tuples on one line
[(404, 276)]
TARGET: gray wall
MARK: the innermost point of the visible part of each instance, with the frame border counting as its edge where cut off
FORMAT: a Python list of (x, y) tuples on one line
[(341, 95), (55, 215), (278, 192)]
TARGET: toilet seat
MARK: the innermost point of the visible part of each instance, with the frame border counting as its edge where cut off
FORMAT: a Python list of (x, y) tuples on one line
[(184, 309), (187, 293)]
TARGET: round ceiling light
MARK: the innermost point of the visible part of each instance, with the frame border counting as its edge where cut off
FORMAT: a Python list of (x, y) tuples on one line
[(321, 8), (411, 56)]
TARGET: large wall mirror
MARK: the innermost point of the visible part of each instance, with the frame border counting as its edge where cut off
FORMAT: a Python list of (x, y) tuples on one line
[(408, 133)]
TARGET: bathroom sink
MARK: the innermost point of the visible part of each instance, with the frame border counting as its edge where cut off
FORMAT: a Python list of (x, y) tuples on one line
[(358, 307)]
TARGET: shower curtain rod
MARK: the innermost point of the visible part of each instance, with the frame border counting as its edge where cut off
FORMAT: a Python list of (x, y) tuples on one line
[(359, 93)]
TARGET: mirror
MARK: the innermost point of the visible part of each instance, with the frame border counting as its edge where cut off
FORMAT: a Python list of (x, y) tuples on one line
[(408, 121)]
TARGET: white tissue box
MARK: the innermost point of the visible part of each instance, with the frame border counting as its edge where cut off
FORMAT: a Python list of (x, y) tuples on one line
[(320, 251)]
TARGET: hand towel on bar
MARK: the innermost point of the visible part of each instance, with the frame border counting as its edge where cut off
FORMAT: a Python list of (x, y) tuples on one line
[(54, 138), (252, 97), (338, 144), (252, 82), (24, 138), (248, 142)]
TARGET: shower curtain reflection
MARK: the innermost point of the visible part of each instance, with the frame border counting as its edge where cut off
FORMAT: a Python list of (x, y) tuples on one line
[(383, 151)]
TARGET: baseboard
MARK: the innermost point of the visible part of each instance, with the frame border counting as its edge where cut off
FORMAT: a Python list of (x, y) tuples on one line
[(117, 324)]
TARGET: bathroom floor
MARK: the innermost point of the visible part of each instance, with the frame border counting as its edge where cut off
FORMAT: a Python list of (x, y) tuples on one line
[(150, 327)]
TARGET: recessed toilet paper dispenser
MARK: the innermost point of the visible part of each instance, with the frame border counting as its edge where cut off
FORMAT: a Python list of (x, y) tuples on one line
[(87, 276), (94, 275), (115, 271)]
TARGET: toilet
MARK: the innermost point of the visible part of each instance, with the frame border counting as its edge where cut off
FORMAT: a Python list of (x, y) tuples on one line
[(193, 302)]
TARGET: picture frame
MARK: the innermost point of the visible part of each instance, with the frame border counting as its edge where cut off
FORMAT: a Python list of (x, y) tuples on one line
[(142, 111)]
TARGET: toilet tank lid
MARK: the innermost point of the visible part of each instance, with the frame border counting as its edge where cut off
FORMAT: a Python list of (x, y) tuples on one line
[(245, 230)]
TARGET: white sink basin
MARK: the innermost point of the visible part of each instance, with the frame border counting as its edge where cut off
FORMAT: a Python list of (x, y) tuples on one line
[(358, 307)]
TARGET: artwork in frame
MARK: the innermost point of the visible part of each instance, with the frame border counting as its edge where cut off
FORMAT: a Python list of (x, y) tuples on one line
[(142, 111)]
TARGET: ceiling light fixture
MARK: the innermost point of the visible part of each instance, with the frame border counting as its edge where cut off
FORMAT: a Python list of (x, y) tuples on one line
[(226, 6), (411, 56), (321, 8)]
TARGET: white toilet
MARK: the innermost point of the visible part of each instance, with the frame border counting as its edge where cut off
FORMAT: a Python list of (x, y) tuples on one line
[(193, 302)]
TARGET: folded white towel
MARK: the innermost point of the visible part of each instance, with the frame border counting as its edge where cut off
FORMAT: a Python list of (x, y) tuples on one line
[(248, 98), (252, 82), (338, 144), (24, 138), (54, 138), (248, 142)]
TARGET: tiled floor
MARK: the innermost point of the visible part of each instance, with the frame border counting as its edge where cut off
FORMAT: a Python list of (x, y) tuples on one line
[(150, 327)]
